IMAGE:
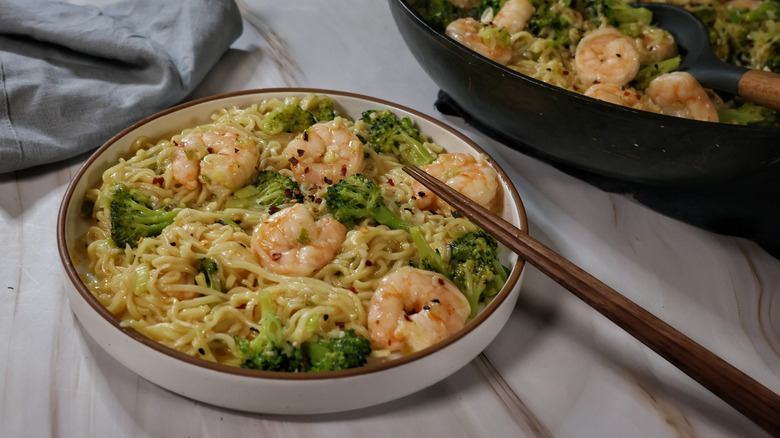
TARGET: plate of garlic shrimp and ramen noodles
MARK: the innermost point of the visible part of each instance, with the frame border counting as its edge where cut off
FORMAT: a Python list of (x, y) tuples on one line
[(277, 231), (608, 50)]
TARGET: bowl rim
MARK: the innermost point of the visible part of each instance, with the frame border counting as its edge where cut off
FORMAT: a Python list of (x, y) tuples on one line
[(504, 70), (85, 294)]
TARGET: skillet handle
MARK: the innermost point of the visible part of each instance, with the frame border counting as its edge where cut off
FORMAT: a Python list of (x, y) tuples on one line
[(761, 87)]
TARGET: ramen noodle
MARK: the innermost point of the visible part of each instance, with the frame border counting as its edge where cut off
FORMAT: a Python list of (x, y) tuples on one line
[(157, 288)]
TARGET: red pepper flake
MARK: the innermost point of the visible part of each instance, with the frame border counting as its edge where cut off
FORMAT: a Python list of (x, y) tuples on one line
[(421, 194), (276, 256), (343, 170), (565, 73), (300, 152), (318, 201), (305, 135), (353, 290), (273, 209), (441, 281), (327, 180), (390, 181), (158, 180), (369, 263), (293, 161), (306, 170), (211, 151)]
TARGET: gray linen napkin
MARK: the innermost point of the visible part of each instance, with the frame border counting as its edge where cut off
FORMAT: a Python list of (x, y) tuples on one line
[(72, 76)]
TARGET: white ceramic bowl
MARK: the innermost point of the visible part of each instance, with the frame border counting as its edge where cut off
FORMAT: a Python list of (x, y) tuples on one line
[(263, 391)]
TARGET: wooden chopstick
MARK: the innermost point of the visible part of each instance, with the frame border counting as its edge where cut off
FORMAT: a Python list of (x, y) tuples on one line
[(736, 388)]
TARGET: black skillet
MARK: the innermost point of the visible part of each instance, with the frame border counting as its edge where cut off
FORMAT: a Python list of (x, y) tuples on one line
[(573, 130)]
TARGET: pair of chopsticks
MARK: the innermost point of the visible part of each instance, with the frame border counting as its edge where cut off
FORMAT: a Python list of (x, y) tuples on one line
[(742, 392)]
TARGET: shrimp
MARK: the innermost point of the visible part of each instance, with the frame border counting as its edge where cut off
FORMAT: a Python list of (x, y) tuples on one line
[(617, 94), (413, 309), (466, 31), (655, 45), (680, 95), (475, 179), (606, 56), (327, 152), (514, 15), (220, 156), (743, 4), (292, 242)]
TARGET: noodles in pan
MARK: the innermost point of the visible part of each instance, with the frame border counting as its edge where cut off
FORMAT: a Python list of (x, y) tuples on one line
[(225, 266)]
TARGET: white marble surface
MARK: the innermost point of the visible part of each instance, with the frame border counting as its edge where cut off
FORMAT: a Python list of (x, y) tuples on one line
[(558, 369)]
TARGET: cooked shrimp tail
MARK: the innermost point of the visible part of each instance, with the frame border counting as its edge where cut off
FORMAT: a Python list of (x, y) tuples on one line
[(413, 309)]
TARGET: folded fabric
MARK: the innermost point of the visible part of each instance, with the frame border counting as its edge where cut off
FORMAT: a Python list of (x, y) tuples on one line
[(72, 76)]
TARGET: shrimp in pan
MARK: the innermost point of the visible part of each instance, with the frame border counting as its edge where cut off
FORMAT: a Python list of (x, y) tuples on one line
[(606, 56), (466, 31), (655, 45), (514, 15), (617, 94), (679, 94), (413, 309), (292, 242), (475, 179), (222, 156), (326, 152)]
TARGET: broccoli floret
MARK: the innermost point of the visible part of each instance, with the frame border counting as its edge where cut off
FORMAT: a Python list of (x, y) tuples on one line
[(495, 36), (652, 71), (132, 217), (748, 114), (475, 267), (622, 15), (430, 259), (348, 351), (549, 25), (496, 5), (287, 118), (389, 134), (269, 351), (272, 190), (767, 10), (356, 197), (440, 13), (210, 269), (323, 109)]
